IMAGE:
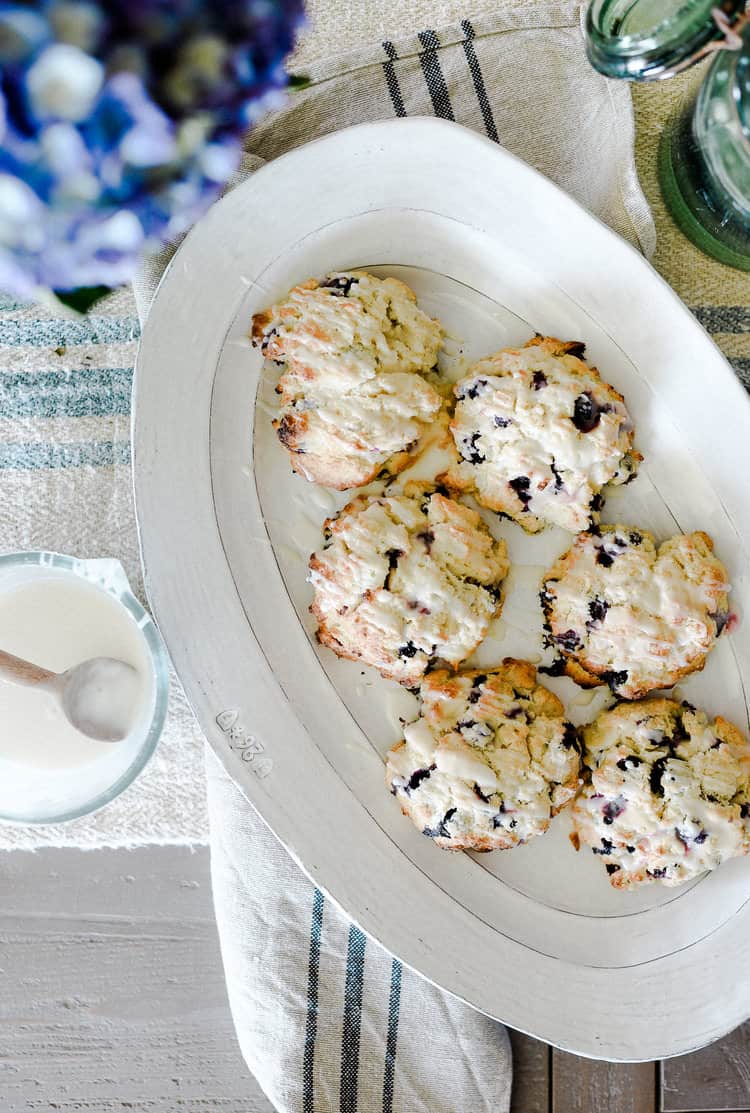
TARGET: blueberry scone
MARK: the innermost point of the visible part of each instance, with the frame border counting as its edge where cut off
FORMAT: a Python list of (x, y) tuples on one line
[(404, 580), (669, 794), (489, 762), (354, 396), (621, 611), (538, 434)]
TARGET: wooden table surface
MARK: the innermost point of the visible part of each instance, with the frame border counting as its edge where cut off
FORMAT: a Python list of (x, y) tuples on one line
[(112, 998)]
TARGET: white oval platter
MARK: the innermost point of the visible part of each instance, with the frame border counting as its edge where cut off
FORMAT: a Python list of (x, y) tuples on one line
[(534, 937)]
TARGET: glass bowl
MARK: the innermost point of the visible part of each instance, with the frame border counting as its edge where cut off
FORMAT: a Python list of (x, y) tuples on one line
[(34, 794)]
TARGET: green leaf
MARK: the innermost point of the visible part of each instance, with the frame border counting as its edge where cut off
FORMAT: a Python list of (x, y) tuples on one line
[(298, 81), (82, 298)]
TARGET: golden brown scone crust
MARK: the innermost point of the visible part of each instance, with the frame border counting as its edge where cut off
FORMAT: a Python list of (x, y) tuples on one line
[(357, 391), (538, 434), (406, 579), (624, 612), (668, 792), (489, 762)]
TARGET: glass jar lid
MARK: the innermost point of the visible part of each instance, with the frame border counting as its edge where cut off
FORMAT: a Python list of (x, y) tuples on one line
[(646, 40)]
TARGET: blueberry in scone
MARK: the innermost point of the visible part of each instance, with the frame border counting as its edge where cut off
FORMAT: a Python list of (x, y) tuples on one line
[(538, 434), (355, 398), (406, 579), (620, 611), (490, 760), (668, 795)]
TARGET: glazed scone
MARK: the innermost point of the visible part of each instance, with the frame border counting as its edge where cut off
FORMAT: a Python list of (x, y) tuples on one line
[(403, 580), (622, 612), (538, 434), (669, 795), (354, 399), (489, 762)]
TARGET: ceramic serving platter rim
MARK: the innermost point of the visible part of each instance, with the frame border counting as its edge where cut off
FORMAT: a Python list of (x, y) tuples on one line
[(375, 134)]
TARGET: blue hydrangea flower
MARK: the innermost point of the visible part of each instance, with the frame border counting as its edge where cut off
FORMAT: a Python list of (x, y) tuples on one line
[(120, 122)]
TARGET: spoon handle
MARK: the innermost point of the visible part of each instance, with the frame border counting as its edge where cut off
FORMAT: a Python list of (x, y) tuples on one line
[(19, 671)]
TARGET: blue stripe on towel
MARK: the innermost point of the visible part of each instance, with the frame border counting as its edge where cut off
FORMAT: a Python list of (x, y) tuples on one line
[(36, 456), (355, 971), (63, 332), (84, 392), (394, 1008), (311, 1028)]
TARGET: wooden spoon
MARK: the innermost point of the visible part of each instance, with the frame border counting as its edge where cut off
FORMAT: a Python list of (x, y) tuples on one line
[(98, 697)]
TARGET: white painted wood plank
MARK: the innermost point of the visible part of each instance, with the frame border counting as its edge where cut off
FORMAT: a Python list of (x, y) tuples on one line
[(112, 995)]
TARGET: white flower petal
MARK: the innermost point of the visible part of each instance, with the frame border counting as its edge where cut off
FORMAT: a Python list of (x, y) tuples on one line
[(144, 146), (64, 149), (218, 162), (64, 82), (21, 214), (120, 232)]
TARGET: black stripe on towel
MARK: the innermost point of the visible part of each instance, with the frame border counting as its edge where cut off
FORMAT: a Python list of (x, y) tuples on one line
[(391, 79), (311, 1028), (355, 969), (476, 76), (433, 75), (723, 318), (394, 1008)]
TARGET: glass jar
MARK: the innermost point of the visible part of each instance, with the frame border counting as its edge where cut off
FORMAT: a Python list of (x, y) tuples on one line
[(704, 162), (704, 158)]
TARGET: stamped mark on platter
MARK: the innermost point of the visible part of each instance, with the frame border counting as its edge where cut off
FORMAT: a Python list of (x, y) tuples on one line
[(249, 748)]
